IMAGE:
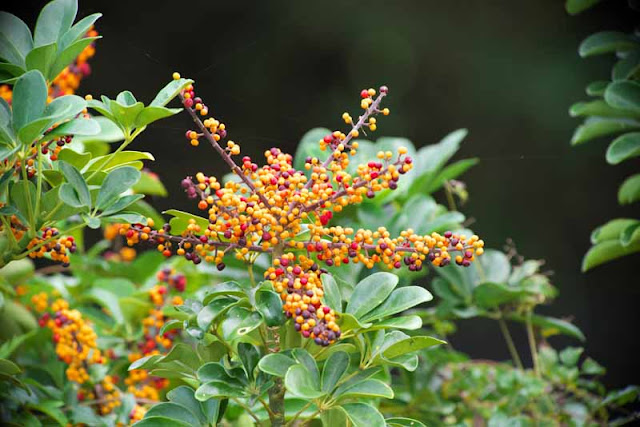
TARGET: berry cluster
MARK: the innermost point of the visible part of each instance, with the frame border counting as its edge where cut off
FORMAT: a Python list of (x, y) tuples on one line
[(267, 208), (74, 339), (58, 248)]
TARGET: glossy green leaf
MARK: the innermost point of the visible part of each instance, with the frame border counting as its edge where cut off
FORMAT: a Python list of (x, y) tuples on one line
[(552, 326), (334, 368), (250, 356), (161, 422), (151, 114), (10, 53), (491, 295), (74, 158), (299, 382), (335, 416), (170, 91), (624, 95), (213, 310), (371, 292), (597, 88), (224, 289), (113, 160), (400, 300), (630, 234), (75, 179), (68, 55), (611, 230), (54, 20), (52, 409), (629, 191), (78, 30), (7, 367), (173, 411), (403, 422), (367, 388), (217, 390), (180, 221), (409, 323), (16, 32), (599, 108), (305, 359), (363, 415), (348, 322), (29, 98), (276, 364), (150, 184), (212, 371), (626, 67), (42, 58), (595, 127), (269, 304), (238, 322), (574, 7), (624, 147), (122, 203), (605, 42), (606, 251), (74, 127), (410, 345), (184, 396), (22, 197), (116, 182), (332, 297), (126, 115)]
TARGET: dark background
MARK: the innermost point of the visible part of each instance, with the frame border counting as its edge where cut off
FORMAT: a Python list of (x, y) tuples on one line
[(508, 71)]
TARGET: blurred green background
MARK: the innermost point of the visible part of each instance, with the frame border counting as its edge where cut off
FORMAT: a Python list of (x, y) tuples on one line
[(506, 70)]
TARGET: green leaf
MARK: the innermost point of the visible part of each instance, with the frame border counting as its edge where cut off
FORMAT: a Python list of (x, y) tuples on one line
[(41, 58), (173, 411), (170, 91), (347, 323), (629, 191), (108, 300), (269, 304), (161, 422), (400, 300), (492, 295), (50, 408), (181, 220), (16, 32), (409, 323), (184, 396), (552, 326), (213, 310), (611, 230), (403, 422), (10, 52), (125, 115), (21, 200), (18, 271), (276, 364), (410, 345), (224, 288), (574, 7), (238, 322), (305, 359), (630, 235), (79, 30), (595, 127), (74, 158), (607, 251), (217, 390), (363, 415), (54, 20), (125, 217), (571, 355), (29, 98), (75, 179), (605, 42), (7, 367), (367, 388), (597, 88), (591, 367), (117, 181), (122, 203), (150, 184), (599, 108), (335, 416), (334, 368), (113, 160), (299, 382), (621, 397), (151, 114), (624, 95), (332, 296), (60, 109), (371, 292), (68, 55), (624, 147), (627, 67)]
